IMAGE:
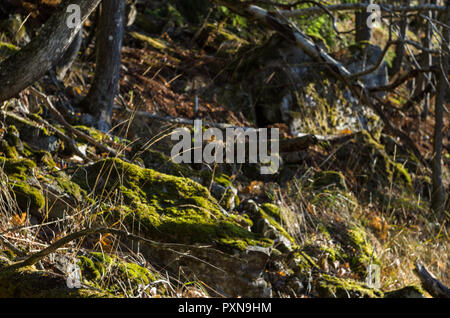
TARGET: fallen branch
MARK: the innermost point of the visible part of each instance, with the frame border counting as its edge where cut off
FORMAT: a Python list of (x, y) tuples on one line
[(361, 6), (69, 141), (36, 257), (430, 283)]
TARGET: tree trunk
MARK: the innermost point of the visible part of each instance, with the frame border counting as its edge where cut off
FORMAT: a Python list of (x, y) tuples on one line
[(100, 99), (438, 195), (42, 54), (426, 78), (400, 48), (363, 32)]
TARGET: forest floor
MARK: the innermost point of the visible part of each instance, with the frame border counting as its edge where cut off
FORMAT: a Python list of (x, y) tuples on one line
[(323, 223)]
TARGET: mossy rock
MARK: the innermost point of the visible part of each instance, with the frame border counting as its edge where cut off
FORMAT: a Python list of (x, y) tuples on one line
[(28, 197), (107, 272), (27, 282), (332, 287), (17, 168), (166, 207), (326, 179), (362, 253), (35, 136), (267, 226), (19, 171), (375, 165)]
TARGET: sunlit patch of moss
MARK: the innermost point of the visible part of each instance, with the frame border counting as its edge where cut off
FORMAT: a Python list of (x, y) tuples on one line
[(8, 150), (108, 272), (27, 282), (263, 214), (28, 197), (363, 253), (18, 172), (333, 287), (94, 133), (167, 207), (273, 210), (7, 49), (18, 169)]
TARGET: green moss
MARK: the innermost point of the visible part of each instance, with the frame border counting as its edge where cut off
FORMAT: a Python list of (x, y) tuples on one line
[(30, 283), (387, 166), (44, 157), (18, 172), (8, 150), (94, 133), (167, 207), (28, 197), (160, 162), (262, 214), (7, 49), (363, 253), (325, 179), (333, 287), (273, 210), (68, 186), (110, 273), (17, 168)]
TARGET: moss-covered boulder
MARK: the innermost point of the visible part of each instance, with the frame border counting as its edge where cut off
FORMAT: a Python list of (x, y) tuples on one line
[(326, 179), (179, 210), (267, 221), (24, 187), (166, 207), (27, 282), (333, 287), (112, 274)]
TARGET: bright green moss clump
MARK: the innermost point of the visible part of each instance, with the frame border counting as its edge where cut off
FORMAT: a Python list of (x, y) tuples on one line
[(97, 269), (333, 287), (166, 207), (363, 252), (17, 168), (18, 171)]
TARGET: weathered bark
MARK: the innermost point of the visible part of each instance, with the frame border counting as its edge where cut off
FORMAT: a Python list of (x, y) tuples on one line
[(425, 79), (43, 52), (100, 99), (430, 283), (400, 48), (65, 63), (438, 194)]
